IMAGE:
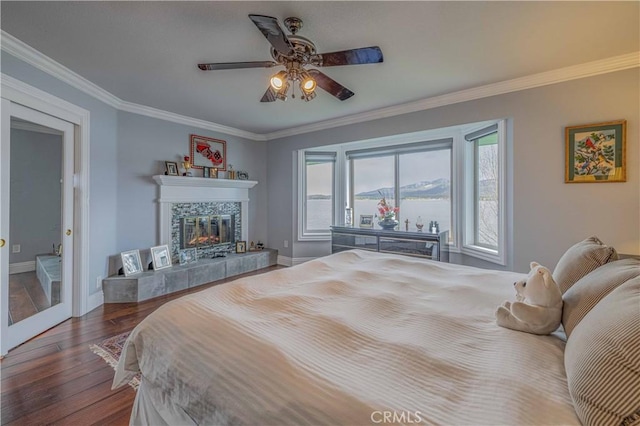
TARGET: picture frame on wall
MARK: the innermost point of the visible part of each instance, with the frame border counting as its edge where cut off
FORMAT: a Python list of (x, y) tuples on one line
[(187, 256), (596, 153), (208, 152), (131, 263), (241, 246), (161, 257), (366, 221), (171, 167)]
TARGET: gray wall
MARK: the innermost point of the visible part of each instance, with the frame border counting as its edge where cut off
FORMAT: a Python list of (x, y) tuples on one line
[(36, 202), (125, 151), (103, 157), (144, 144), (548, 215)]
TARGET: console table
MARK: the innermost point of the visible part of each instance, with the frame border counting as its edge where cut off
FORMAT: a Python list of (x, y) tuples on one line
[(419, 244)]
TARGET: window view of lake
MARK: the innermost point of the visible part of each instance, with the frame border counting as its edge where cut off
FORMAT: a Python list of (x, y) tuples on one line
[(319, 212)]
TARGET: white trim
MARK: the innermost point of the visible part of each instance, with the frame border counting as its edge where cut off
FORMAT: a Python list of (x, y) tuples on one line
[(299, 260), (589, 69), (33, 127), (189, 121), (197, 182), (20, 267), (289, 261), (24, 94), (95, 300), (498, 256), (33, 57), (284, 260)]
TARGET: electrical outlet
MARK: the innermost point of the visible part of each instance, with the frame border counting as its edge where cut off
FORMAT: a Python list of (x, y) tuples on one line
[(286, 243), (15, 248), (99, 282)]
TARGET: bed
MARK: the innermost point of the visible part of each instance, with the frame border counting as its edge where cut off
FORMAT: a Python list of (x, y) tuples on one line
[(353, 338)]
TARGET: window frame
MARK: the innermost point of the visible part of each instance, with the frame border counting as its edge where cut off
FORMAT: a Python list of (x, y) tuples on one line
[(460, 176), (469, 245), (395, 151), (324, 155)]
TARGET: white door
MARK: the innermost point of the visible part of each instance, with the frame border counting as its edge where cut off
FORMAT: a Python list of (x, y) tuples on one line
[(36, 223)]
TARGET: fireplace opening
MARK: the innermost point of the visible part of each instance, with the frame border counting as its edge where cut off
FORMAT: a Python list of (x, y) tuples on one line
[(206, 231)]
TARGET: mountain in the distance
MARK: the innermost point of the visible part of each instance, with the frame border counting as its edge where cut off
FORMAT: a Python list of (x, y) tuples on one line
[(439, 188)]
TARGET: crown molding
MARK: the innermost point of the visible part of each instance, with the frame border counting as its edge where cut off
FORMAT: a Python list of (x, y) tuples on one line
[(33, 57), (28, 54), (574, 72), (188, 121)]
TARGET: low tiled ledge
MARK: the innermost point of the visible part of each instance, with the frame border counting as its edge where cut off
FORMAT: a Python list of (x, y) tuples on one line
[(150, 284)]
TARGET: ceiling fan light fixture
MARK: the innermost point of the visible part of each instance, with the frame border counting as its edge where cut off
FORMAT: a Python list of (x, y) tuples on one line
[(279, 81), (308, 96), (307, 83)]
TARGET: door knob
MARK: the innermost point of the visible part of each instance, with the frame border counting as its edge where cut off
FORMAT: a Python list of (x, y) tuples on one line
[(68, 231), (1, 242)]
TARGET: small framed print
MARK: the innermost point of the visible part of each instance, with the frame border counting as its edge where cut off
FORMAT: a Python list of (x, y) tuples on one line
[(596, 152), (206, 172), (214, 173), (171, 168), (366, 221), (161, 257), (241, 246), (187, 256), (243, 176), (131, 263)]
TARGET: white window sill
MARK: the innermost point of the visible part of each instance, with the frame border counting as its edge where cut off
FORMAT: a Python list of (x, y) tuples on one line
[(315, 237), (484, 253)]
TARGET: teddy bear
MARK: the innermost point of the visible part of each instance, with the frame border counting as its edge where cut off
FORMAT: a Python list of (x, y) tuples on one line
[(538, 305)]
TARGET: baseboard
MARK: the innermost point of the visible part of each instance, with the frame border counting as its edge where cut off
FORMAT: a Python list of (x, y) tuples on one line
[(95, 300), (288, 261), (284, 261), (18, 268), (299, 260)]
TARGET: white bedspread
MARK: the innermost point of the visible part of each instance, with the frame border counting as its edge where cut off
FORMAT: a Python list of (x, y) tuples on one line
[(354, 338)]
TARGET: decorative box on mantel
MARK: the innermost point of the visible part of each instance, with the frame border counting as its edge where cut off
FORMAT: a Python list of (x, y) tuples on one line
[(184, 189)]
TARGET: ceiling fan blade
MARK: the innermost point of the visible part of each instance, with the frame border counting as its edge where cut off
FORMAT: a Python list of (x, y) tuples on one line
[(269, 26), (363, 55), (330, 85), (269, 95), (236, 65)]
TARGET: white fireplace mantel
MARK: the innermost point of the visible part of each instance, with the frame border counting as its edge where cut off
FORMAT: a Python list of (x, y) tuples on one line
[(183, 189)]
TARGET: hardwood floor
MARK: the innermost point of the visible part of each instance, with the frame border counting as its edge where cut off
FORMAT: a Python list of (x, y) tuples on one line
[(54, 378), (26, 296)]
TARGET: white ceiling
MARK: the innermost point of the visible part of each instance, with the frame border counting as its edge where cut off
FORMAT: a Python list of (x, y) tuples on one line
[(146, 52)]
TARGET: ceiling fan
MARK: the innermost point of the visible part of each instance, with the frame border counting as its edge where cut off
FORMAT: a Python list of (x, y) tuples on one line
[(295, 53)]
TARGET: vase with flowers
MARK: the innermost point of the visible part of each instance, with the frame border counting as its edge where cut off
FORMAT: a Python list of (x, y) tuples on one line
[(387, 215)]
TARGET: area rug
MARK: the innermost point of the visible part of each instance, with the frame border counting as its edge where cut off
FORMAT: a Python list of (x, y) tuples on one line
[(110, 350)]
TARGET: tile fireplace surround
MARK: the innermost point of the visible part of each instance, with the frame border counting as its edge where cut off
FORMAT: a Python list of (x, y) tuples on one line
[(179, 191), (182, 190)]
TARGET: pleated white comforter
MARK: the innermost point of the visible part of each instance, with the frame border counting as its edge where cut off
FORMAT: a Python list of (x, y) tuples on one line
[(350, 339)]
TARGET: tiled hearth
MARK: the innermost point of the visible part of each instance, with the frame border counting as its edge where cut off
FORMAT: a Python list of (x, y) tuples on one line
[(181, 197), (150, 284)]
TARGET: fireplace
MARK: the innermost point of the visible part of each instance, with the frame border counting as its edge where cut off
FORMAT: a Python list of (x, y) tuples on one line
[(206, 231), (210, 228), (208, 214)]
